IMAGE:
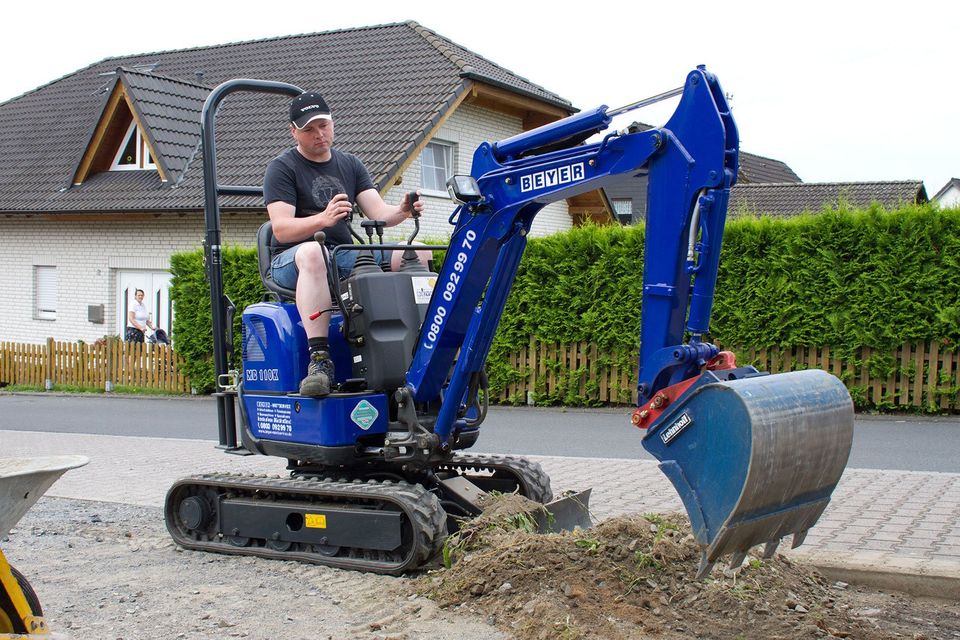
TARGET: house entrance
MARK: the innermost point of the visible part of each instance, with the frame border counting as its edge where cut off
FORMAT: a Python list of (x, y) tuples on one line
[(156, 287)]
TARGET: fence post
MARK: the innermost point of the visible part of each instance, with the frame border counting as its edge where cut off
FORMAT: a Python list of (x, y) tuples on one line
[(48, 378), (108, 374)]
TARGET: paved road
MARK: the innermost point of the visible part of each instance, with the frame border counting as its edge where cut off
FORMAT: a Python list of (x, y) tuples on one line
[(880, 442)]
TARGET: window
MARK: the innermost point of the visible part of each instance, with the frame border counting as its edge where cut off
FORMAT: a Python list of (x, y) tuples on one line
[(45, 292), (437, 166), (623, 209), (133, 153)]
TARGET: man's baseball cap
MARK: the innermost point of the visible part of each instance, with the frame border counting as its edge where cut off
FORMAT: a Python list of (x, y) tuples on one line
[(306, 108)]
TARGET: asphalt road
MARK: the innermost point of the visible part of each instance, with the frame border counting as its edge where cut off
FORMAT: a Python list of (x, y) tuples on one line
[(911, 443)]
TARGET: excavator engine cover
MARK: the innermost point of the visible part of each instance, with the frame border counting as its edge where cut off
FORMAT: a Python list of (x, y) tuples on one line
[(754, 459)]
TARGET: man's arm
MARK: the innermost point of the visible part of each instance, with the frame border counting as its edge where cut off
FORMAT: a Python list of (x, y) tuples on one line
[(288, 228), (376, 209)]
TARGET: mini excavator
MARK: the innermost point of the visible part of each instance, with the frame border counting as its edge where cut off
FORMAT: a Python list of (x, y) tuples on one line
[(379, 468)]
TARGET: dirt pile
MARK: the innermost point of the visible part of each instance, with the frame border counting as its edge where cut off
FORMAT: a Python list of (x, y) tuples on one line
[(630, 577)]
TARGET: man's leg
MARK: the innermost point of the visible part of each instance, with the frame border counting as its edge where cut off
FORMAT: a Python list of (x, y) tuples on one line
[(313, 296), (313, 292)]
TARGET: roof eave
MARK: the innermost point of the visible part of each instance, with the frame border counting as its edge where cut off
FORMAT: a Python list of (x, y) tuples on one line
[(469, 74)]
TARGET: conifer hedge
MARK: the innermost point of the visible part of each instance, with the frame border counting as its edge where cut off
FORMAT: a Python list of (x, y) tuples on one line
[(843, 278)]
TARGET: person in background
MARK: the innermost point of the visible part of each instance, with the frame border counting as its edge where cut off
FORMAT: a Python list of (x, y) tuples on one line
[(138, 319)]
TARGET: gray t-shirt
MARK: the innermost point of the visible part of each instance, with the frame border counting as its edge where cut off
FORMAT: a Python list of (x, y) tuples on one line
[(309, 186)]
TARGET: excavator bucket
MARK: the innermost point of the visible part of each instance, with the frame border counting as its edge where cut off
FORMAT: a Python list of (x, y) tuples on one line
[(24, 480), (754, 459)]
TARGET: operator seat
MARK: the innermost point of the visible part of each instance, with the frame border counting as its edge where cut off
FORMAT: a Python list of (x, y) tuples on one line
[(264, 242)]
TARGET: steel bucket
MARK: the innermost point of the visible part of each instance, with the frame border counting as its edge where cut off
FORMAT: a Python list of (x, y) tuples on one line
[(755, 459), (24, 480)]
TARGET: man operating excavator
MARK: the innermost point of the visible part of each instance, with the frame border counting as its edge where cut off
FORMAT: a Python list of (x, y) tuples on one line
[(309, 188)]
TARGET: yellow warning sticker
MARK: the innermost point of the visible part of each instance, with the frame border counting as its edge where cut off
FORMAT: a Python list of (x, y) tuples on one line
[(316, 521)]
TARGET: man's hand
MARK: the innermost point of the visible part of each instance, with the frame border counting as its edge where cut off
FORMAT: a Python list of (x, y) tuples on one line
[(407, 209), (337, 209)]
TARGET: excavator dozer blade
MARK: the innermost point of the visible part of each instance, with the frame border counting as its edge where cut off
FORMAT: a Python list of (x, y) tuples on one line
[(754, 459), (569, 512)]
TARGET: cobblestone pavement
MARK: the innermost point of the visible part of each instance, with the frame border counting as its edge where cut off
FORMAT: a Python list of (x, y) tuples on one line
[(896, 529)]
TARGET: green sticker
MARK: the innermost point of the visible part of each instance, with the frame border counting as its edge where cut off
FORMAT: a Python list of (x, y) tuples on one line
[(364, 414)]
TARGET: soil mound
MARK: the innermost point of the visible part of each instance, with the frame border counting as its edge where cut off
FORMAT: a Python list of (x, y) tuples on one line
[(628, 577)]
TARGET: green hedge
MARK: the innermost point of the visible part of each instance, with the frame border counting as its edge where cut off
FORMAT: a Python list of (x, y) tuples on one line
[(193, 324), (840, 278)]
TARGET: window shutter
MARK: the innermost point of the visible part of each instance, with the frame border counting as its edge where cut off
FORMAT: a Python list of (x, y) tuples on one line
[(46, 292)]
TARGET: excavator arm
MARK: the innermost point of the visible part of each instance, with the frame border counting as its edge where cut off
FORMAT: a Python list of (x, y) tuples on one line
[(754, 457)]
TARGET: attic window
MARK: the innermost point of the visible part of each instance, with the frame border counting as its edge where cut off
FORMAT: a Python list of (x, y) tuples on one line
[(133, 153)]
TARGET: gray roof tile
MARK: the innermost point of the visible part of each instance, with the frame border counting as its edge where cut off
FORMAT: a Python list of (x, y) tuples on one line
[(170, 110), (754, 169), (788, 199), (386, 86)]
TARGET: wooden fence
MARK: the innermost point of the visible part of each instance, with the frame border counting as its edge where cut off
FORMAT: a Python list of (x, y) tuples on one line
[(102, 365), (923, 375)]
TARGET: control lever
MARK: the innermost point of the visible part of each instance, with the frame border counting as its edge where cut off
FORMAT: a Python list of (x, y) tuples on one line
[(377, 225), (320, 238), (409, 255)]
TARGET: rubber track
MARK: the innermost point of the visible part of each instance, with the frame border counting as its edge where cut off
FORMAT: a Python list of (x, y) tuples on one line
[(421, 508), (534, 482)]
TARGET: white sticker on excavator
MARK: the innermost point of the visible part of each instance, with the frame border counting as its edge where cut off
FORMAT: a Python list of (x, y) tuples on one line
[(423, 288), (674, 429)]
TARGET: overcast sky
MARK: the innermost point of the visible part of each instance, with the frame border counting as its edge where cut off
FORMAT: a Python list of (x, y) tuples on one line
[(869, 92)]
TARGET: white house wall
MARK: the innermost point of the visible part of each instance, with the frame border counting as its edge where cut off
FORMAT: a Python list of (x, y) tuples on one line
[(467, 127), (88, 256), (950, 199)]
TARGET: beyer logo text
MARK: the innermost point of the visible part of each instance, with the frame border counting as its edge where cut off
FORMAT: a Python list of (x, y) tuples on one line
[(551, 177)]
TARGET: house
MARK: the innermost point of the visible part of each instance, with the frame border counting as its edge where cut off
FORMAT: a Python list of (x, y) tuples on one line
[(790, 199), (101, 173), (949, 195)]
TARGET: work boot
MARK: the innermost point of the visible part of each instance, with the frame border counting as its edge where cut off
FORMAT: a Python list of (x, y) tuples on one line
[(319, 375)]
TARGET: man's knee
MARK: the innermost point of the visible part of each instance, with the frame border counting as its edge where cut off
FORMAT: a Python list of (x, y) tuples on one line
[(310, 259)]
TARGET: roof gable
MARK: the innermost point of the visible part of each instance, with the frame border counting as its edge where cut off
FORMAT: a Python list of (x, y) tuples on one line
[(167, 113), (757, 169), (954, 183)]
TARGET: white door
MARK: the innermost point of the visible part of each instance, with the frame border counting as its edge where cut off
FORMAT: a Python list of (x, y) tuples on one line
[(156, 289)]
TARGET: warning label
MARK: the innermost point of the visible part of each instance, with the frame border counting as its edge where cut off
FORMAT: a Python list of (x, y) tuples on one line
[(315, 520), (364, 414)]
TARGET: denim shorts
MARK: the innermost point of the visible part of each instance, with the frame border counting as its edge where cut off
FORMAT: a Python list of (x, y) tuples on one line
[(284, 269)]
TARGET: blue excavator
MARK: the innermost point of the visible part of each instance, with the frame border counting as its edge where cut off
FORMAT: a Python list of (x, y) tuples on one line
[(380, 470)]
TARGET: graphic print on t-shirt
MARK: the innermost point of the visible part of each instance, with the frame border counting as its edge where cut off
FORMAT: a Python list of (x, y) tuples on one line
[(323, 190)]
